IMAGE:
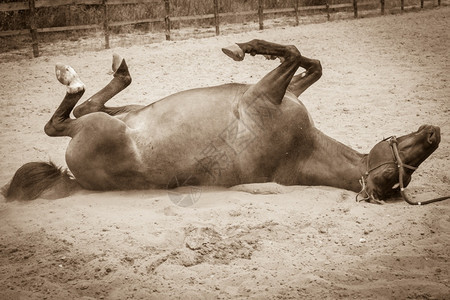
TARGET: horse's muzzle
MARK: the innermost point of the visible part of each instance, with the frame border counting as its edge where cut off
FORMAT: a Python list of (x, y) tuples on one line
[(433, 134)]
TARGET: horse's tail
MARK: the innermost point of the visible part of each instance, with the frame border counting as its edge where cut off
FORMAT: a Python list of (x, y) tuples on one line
[(34, 178)]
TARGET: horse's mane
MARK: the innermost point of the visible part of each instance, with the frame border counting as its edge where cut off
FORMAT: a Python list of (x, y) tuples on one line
[(31, 180)]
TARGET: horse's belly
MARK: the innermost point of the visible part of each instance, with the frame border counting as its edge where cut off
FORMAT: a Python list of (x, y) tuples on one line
[(208, 142)]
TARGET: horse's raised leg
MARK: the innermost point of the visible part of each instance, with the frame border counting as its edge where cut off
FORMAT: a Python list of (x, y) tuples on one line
[(304, 80), (273, 86), (96, 103), (60, 123)]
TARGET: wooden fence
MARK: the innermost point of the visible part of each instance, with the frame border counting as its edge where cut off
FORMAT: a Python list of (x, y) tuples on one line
[(32, 5)]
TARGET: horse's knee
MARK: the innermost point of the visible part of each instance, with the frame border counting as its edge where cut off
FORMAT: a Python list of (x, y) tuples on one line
[(293, 51), (291, 54), (316, 68)]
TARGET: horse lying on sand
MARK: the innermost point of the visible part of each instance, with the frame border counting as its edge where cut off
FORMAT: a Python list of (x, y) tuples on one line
[(224, 136)]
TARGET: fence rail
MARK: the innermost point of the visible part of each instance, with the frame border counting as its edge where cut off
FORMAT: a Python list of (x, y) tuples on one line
[(32, 5)]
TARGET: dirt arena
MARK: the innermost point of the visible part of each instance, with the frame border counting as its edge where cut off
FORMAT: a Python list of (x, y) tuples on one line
[(382, 76)]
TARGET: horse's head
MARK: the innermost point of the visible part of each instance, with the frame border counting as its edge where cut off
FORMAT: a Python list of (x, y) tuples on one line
[(383, 165)]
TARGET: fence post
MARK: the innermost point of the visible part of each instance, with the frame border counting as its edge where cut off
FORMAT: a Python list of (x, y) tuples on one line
[(327, 6), (106, 23), (216, 16), (33, 28), (296, 12), (439, 2), (355, 8), (167, 19), (402, 3), (67, 15), (382, 7), (421, 3), (261, 14)]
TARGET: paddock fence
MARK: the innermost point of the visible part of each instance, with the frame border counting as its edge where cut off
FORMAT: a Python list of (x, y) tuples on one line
[(34, 17)]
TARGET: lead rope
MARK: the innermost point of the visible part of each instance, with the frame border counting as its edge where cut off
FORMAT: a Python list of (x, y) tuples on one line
[(362, 182), (368, 198), (401, 170)]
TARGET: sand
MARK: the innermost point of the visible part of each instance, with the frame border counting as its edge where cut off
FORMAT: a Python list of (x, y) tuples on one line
[(382, 76)]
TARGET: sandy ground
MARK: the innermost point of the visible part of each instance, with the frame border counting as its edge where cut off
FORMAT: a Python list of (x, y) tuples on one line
[(382, 76)]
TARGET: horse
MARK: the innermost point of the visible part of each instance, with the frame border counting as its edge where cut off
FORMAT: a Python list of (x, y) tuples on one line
[(225, 135)]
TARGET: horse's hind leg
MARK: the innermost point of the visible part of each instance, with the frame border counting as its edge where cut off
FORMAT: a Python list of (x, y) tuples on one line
[(96, 103), (273, 86), (60, 124)]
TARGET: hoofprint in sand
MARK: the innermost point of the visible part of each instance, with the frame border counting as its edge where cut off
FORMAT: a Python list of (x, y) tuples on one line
[(382, 76)]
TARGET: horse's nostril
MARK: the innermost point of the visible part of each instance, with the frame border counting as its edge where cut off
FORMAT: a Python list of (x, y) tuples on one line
[(433, 136)]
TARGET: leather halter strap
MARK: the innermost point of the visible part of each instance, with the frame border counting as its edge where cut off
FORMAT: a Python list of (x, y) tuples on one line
[(396, 160), (401, 169), (393, 143)]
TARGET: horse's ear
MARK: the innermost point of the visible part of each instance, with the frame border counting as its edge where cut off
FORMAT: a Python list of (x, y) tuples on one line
[(31, 180)]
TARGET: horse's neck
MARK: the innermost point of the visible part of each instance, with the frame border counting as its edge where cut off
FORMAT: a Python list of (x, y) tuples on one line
[(332, 163)]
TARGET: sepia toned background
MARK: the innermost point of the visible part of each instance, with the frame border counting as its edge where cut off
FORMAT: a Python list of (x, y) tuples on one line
[(382, 75)]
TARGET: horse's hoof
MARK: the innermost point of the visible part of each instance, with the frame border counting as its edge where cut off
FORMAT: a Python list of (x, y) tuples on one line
[(67, 76), (235, 52), (117, 60)]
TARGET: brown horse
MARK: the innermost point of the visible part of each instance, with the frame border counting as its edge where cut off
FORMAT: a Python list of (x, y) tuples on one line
[(225, 135)]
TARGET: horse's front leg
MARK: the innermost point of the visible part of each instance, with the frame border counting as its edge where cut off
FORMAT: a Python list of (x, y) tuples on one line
[(96, 103), (302, 81), (274, 85)]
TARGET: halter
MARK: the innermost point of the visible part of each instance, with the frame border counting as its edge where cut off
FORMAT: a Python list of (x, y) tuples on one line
[(396, 160)]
